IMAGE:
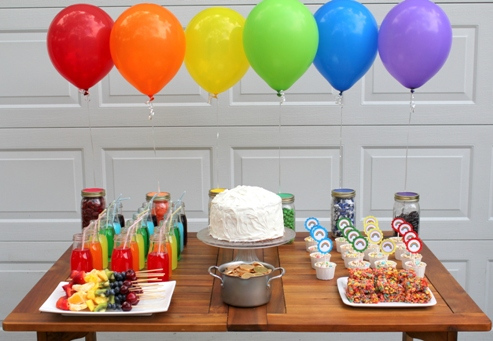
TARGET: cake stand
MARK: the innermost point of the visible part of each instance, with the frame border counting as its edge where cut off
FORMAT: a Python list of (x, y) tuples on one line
[(246, 250)]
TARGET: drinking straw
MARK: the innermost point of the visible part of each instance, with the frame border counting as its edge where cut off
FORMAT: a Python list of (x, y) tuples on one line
[(163, 226), (132, 227)]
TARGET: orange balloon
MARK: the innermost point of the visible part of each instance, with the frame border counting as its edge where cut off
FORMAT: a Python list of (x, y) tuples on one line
[(147, 44)]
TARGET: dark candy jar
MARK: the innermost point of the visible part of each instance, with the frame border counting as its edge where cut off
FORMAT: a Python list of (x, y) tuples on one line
[(92, 204), (406, 206)]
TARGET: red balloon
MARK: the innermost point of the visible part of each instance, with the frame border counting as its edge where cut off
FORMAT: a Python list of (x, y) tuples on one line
[(79, 44)]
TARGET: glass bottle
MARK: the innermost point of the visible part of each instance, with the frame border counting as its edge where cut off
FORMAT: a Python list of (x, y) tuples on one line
[(92, 204), (342, 207), (183, 218), (121, 257), (158, 257), (212, 193), (80, 258), (288, 211), (406, 206)]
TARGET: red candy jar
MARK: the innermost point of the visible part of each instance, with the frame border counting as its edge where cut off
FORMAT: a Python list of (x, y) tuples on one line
[(92, 204)]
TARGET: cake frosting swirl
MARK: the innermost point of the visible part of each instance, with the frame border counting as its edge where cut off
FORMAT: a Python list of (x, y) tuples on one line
[(246, 214)]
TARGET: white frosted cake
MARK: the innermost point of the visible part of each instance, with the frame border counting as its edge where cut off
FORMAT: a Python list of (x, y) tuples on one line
[(246, 214)]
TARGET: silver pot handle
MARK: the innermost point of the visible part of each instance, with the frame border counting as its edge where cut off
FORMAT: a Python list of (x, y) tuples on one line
[(214, 275), (278, 276)]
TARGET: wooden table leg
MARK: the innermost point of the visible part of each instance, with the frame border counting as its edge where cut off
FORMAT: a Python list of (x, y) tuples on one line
[(433, 336), (64, 336)]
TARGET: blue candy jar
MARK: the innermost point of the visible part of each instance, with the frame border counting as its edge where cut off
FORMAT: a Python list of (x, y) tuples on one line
[(342, 207)]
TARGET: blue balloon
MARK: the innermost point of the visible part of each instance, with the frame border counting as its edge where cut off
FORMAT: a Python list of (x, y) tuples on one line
[(348, 42)]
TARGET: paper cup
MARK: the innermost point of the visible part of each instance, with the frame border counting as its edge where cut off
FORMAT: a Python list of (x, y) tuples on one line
[(379, 264), (346, 248), (319, 257), (418, 267), (359, 264), (370, 248), (374, 256), (312, 248), (399, 251), (309, 241), (350, 256), (325, 270), (339, 242), (407, 256)]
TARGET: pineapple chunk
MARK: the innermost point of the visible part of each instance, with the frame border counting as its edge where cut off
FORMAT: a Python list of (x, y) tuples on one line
[(90, 305)]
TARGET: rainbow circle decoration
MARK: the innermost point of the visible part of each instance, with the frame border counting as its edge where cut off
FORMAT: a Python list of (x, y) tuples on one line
[(360, 244), (311, 222), (342, 223), (319, 232), (388, 246), (325, 245), (375, 236), (414, 245)]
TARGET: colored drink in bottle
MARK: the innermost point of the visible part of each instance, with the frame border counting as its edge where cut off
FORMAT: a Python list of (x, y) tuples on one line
[(176, 232), (159, 260), (170, 256), (179, 226), (96, 253), (103, 241), (109, 232), (134, 248), (142, 230), (184, 221), (140, 243), (174, 251), (80, 259), (121, 259)]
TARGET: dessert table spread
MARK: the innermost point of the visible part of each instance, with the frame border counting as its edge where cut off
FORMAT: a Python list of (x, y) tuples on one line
[(299, 302)]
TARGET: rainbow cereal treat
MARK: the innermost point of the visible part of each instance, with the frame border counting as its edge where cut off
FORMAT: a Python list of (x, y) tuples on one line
[(386, 285)]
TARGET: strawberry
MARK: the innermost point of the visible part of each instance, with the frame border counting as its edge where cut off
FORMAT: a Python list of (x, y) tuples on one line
[(78, 277), (62, 303), (68, 289)]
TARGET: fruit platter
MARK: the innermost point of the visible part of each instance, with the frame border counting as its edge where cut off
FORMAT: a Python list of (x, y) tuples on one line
[(105, 292)]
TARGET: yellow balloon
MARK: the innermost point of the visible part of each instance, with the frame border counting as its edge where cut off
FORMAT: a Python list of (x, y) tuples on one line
[(215, 57)]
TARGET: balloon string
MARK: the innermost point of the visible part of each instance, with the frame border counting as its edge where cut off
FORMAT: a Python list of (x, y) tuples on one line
[(279, 141), (151, 107), (412, 106), (93, 152), (340, 103), (216, 153)]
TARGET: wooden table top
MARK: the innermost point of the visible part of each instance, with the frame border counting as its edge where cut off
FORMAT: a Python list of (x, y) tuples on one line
[(299, 302)]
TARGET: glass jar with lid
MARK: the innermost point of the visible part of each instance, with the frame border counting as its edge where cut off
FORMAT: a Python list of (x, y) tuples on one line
[(212, 194), (288, 211), (343, 206), (160, 204), (406, 206), (92, 204)]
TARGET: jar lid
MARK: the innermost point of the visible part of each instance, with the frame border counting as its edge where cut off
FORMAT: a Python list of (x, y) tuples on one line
[(287, 198), (406, 196), (215, 191), (343, 193), (93, 192), (161, 196)]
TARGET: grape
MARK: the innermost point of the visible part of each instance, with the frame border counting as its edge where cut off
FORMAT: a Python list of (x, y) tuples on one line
[(126, 306), (132, 298)]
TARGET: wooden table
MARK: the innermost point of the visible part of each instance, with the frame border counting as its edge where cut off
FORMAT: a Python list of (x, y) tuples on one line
[(299, 303)]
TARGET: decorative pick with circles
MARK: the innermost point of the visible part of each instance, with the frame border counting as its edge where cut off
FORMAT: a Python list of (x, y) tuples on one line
[(311, 222), (414, 245), (325, 245), (409, 235), (395, 224), (370, 220), (404, 228), (342, 223), (370, 227), (319, 232), (388, 246)]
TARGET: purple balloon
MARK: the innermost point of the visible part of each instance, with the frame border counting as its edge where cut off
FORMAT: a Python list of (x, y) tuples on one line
[(414, 41)]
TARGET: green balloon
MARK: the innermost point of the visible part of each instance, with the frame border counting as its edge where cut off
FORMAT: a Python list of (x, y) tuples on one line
[(280, 39)]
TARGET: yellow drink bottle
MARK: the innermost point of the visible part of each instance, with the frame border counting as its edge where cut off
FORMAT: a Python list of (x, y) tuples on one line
[(174, 251), (140, 243), (104, 249)]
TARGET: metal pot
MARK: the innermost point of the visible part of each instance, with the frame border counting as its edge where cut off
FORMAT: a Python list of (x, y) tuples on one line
[(240, 292)]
